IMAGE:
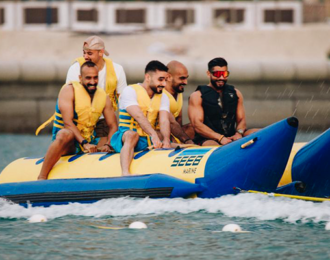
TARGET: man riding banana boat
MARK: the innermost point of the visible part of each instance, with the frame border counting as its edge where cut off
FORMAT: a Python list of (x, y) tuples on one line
[(78, 108)]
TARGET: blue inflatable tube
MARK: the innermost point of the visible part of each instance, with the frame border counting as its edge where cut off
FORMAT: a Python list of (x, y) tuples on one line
[(255, 162), (311, 169)]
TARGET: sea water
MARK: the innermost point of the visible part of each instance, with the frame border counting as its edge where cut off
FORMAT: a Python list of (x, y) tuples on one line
[(279, 228)]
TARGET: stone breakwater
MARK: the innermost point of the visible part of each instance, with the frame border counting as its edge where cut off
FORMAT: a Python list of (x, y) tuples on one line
[(24, 106), (243, 71)]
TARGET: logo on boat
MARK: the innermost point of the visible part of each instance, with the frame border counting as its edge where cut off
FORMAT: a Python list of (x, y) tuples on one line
[(192, 160)]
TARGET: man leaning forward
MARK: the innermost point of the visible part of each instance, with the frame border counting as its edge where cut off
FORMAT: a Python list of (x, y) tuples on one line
[(139, 107)]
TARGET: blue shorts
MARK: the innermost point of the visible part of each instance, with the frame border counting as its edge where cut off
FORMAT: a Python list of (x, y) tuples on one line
[(117, 141)]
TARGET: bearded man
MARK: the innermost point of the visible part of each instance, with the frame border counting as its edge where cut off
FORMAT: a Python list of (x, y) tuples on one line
[(216, 110), (78, 108), (176, 82), (139, 107)]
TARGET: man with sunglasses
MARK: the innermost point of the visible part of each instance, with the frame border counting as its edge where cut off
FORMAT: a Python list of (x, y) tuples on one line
[(112, 77), (216, 110)]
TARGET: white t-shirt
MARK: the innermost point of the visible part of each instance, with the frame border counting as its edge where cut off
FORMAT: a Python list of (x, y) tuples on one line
[(74, 72), (129, 98)]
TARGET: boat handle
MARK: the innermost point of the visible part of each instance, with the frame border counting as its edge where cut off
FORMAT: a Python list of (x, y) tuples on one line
[(252, 141)]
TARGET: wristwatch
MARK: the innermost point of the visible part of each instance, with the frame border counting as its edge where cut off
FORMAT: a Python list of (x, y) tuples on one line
[(83, 142), (240, 131)]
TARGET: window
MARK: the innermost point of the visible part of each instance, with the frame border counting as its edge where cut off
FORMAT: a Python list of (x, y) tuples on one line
[(175, 16), (47, 15), (87, 15), (2, 15), (230, 15), (278, 16), (130, 16)]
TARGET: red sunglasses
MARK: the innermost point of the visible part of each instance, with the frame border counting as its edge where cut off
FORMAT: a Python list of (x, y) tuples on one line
[(218, 74)]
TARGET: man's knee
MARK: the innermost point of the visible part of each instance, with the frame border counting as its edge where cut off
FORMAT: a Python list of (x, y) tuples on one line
[(131, 137), (210, 143), (64, 136)]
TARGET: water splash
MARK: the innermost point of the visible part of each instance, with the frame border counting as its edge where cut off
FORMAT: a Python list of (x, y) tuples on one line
[(244, 205)]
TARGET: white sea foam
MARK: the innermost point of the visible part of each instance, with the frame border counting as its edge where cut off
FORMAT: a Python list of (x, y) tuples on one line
[(244, 205)]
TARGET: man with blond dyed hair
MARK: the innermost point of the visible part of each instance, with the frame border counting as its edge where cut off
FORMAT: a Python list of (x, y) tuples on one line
[(112, 77)]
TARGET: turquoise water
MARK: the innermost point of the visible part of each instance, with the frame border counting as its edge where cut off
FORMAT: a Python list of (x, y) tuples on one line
[(278, 228)]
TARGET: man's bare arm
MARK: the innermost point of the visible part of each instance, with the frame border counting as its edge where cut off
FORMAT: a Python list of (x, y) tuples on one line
[(164, 123), (179, 118), (138, 115), (177, 131), (196, 117), (110, 119), (66, 106), (240, 116), (240, 112)]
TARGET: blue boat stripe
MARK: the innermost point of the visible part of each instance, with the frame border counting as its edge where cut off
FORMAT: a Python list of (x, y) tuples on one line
[(200, 151)]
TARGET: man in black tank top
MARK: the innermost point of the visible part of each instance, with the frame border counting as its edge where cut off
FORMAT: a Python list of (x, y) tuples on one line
[(216, 110)]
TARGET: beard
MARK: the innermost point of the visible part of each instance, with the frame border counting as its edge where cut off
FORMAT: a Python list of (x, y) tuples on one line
[(157, 89), (179, 88), (90, 90), (215, 83)]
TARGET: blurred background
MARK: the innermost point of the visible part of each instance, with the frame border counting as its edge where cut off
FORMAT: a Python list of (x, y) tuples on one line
[(278, 52)]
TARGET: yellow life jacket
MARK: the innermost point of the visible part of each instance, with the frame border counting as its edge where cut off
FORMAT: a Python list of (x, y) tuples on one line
[(149, 108), (175, 105), (110, 80), (86, 112)]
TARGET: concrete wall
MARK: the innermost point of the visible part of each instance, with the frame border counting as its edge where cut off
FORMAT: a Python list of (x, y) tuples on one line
[(23, 107)]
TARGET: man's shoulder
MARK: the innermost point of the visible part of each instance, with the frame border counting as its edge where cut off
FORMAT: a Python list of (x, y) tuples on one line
[(128, 91), (230, 87), (68, 85), (116, 65), (74, 68), (195, 95), (204, 89), (168, 94), (66, 91)]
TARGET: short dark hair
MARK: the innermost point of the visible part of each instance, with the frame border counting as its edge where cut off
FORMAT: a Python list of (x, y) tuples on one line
[(221, 62), (155, 65), (88, 64)]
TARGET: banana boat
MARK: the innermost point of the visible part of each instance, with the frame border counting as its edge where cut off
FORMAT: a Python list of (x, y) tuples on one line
[(308, 169), (255, 162)]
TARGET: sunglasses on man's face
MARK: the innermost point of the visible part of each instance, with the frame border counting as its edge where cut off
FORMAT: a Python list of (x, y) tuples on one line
[(218, 74)]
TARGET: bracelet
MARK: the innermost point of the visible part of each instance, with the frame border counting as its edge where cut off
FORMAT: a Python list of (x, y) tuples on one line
[(241, 131), (220, 138), (83, 142)]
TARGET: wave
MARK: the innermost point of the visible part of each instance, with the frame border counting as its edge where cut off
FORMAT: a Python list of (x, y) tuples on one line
[(243, 205)]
